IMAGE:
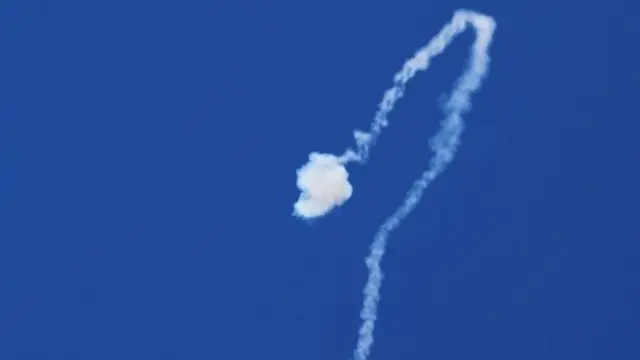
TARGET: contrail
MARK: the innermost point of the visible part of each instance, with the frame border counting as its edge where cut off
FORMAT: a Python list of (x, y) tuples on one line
[(323, 180)]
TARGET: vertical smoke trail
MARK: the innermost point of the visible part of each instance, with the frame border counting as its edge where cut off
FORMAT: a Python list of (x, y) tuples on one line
[(444, 144)]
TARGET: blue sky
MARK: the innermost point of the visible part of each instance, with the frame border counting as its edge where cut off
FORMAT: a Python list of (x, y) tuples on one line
[(147, 174)]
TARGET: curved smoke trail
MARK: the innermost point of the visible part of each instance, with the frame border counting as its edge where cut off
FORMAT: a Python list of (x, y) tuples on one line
[(323, 180)]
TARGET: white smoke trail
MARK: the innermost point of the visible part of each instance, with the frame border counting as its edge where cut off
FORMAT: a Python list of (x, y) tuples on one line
[(444, 144)]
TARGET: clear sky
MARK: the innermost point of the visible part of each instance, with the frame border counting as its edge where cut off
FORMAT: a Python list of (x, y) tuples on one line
[(147, 175)]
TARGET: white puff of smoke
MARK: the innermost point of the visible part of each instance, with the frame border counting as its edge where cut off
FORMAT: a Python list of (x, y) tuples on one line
[(324, 184)]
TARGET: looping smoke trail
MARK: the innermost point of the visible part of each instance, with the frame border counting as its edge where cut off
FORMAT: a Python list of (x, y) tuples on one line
[(324, 183), (444, 144)]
